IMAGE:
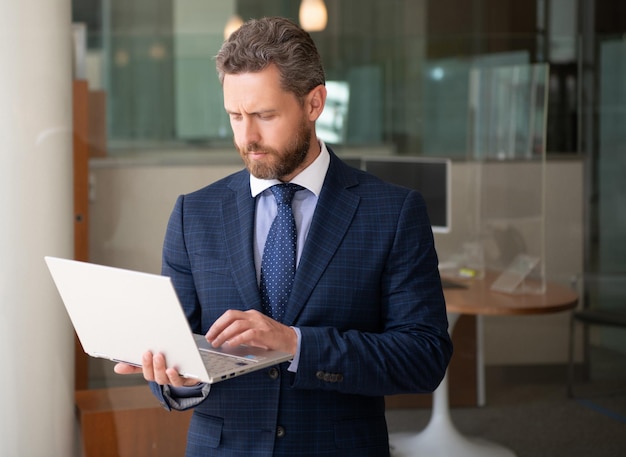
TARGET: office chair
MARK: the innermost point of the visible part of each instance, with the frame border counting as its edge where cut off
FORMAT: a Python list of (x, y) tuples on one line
[(602, 304)]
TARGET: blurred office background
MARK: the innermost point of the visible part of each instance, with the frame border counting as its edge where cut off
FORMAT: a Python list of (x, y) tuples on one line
[(399, 81), (533, 92), (524, 99), (406, 64)]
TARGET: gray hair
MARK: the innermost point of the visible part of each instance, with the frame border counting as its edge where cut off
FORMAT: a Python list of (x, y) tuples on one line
[(260, 43)]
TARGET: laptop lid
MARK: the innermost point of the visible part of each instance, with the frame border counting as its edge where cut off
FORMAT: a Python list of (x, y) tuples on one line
[(120, 314)]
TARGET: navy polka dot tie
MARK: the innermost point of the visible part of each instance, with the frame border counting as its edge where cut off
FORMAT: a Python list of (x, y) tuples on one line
[(278, 265)]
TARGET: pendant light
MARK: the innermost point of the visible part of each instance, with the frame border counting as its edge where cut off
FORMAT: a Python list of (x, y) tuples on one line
[(313, 15), (233, 24)]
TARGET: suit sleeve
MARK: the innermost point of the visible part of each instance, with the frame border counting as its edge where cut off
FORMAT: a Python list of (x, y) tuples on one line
[(176, 265), (410, 350)]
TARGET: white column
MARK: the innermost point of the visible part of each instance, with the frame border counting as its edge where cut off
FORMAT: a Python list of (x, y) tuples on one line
[(36, 339)]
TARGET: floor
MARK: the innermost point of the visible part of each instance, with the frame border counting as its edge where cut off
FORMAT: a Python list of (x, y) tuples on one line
[(529, 411)]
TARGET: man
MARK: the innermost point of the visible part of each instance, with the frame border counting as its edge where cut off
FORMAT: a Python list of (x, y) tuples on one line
[(365, 316)]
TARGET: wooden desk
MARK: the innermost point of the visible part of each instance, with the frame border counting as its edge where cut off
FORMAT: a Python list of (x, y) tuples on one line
[(479, 299), (440, 437)]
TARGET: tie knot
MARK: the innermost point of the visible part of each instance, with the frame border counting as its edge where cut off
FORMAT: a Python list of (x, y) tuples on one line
[(283, 193)]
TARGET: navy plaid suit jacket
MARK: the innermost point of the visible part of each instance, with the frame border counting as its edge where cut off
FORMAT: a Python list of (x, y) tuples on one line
[(366, 297)]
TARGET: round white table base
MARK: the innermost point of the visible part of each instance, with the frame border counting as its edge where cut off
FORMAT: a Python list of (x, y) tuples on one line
[(437, 441)]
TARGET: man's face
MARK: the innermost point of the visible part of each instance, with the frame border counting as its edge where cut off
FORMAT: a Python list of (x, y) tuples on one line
[(272, 130)]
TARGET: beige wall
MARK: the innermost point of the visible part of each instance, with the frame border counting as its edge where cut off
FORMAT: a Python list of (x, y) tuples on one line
[(544, 339), (132, 199), (130, 208)]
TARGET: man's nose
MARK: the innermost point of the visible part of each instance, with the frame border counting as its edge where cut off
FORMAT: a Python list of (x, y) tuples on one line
[(250, 132)]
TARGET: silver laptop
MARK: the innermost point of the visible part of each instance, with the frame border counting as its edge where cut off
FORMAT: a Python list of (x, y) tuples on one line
[(120, 314)]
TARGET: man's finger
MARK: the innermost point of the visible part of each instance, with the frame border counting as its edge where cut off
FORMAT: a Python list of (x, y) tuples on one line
[(147, 366), (125, 368)]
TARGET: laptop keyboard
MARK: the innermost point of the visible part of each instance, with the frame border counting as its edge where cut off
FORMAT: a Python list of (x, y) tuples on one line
[(218, 362)]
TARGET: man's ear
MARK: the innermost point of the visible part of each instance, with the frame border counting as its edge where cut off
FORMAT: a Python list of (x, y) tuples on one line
[(315, 101)]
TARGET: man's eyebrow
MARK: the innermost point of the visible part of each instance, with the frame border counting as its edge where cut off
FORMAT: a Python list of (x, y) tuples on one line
[(257, 112), (266, 111)]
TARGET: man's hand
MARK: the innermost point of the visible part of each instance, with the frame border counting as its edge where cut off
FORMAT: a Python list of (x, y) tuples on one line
[(253, 329), (155, 369), (233, 328)]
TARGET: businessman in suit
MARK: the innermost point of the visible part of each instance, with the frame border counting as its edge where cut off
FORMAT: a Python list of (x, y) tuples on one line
[(365, 315)]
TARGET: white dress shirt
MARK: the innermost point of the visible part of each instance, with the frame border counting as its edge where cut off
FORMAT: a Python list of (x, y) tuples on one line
[(303, 204)]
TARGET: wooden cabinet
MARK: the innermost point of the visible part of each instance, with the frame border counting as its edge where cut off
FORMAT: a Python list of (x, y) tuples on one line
[(129, 422)]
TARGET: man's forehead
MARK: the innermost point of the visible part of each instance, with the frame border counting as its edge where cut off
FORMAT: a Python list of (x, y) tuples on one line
[(265, 79), (259, 89)]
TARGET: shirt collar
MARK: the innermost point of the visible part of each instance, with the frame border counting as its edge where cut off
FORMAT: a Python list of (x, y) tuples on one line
[(311, 178)]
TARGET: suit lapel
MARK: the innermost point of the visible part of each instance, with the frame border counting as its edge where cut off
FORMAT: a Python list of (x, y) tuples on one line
[(333, 215), (238, 217)]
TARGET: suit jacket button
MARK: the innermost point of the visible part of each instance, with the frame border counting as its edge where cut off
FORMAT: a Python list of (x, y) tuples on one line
[(320, 375), (273, 373), (280, 432)]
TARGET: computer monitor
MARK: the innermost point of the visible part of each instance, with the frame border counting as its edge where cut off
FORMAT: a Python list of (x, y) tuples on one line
[(429, 176)]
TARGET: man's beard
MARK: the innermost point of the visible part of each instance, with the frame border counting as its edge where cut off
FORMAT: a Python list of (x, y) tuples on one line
[(280, 164)]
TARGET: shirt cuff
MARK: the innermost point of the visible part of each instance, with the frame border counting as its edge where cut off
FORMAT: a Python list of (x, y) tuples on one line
[(182, 398), (293, 366)]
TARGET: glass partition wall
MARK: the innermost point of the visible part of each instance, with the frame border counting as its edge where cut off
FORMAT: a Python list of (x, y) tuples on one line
[(504, 180)]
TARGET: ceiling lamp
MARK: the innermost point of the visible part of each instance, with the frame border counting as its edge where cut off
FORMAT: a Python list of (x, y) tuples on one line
[(313, 15), (233, 24)]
